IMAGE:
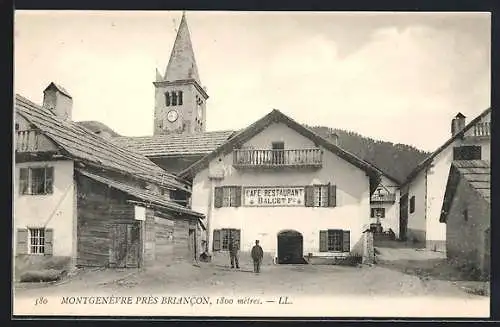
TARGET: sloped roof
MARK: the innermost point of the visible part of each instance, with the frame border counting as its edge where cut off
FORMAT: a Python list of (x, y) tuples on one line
[(477, 173), (82, 144), (276, 116), (426, 162), (96, 126), (182, 64), (59, 88), (141, 194), (174, 144)]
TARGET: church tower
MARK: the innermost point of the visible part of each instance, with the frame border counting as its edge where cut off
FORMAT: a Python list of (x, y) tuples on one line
[(179, 97)]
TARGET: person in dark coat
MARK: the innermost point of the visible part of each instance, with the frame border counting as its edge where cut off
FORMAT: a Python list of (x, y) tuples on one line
[(257, 255), (233, 253)]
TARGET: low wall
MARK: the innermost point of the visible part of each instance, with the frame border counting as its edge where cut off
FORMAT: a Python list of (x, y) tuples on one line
[(24, 263)]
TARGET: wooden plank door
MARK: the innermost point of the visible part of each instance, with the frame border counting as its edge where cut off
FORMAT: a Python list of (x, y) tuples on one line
[(125, 245), (133, 245), (192, 243)]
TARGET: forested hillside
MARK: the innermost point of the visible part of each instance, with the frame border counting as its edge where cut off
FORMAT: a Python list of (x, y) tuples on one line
[(396, 160)]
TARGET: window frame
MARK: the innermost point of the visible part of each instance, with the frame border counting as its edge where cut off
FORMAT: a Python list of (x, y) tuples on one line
[(224, 237), (26, 186), (412, 204), (40, 238), (321, 192), (340, 237)]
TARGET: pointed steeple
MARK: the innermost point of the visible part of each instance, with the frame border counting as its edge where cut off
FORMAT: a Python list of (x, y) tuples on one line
[(182, 65)]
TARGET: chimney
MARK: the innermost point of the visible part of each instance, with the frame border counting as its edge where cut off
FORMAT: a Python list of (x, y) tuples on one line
[(58, 100), (457, 124), (335, 138)]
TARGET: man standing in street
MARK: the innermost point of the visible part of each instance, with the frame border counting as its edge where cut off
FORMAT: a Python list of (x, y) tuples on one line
[(233, 253), (257, 255)]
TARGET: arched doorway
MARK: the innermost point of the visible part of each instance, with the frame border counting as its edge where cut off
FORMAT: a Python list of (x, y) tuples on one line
[(290, 247)]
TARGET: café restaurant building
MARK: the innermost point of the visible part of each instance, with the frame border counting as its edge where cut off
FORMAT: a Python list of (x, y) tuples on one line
[(278, 182)]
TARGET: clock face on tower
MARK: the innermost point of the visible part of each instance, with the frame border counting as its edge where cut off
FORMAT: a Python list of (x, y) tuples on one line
[(172, 116)]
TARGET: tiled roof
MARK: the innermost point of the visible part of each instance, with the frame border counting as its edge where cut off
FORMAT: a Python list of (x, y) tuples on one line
[(477, 173), (427, 161), (82, 144), (174, 144), (141, 194)]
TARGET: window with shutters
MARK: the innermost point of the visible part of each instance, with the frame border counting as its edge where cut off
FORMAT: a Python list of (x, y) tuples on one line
[(334, 240), (468, 152), (321, 196), (227, 196), (223, 236), (36, 240), (36, 181)]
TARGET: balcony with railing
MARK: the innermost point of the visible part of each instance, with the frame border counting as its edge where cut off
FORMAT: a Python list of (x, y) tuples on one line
[(383, 197), (312, 158), (482, 129), (29, 141)]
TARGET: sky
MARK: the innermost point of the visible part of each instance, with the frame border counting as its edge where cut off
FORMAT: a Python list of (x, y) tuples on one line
[(398, 77)]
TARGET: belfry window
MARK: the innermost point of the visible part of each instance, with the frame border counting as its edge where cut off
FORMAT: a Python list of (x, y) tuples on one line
[(174, 98), (179, 98), (167, 99)]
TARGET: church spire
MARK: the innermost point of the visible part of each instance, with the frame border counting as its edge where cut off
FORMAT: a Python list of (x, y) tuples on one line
[(182, 65)]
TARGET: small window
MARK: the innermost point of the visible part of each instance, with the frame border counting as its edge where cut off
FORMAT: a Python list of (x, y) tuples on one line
[(321, 196), (412, 204), (37, 240), (466, 215), (227, 196), (17, 127), (167, 99), (334, 240), (469, 152), (179, 99), (36, 181), (174, 98), (377, 213), (222, 238)]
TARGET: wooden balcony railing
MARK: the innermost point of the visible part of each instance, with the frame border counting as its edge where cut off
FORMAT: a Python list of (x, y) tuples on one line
[(28, 141), (482, 129), (278, 158), (391, 197)]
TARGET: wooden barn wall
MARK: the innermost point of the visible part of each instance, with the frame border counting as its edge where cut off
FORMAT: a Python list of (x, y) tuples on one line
[(98, 208)]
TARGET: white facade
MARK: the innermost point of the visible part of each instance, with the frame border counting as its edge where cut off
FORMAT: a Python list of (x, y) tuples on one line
[(56, 211), (391, 219), (429, 187), (264, 223)]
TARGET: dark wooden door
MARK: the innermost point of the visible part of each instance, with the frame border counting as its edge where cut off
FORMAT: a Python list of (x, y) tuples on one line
[(403, 217), (290, 248), (125, 245)]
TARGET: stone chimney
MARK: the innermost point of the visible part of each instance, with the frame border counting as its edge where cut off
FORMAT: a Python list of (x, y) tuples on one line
[(58, 100), (334, 138), (457, 124)]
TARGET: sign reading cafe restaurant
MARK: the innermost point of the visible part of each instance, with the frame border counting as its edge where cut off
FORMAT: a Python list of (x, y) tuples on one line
[(273, 196)]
